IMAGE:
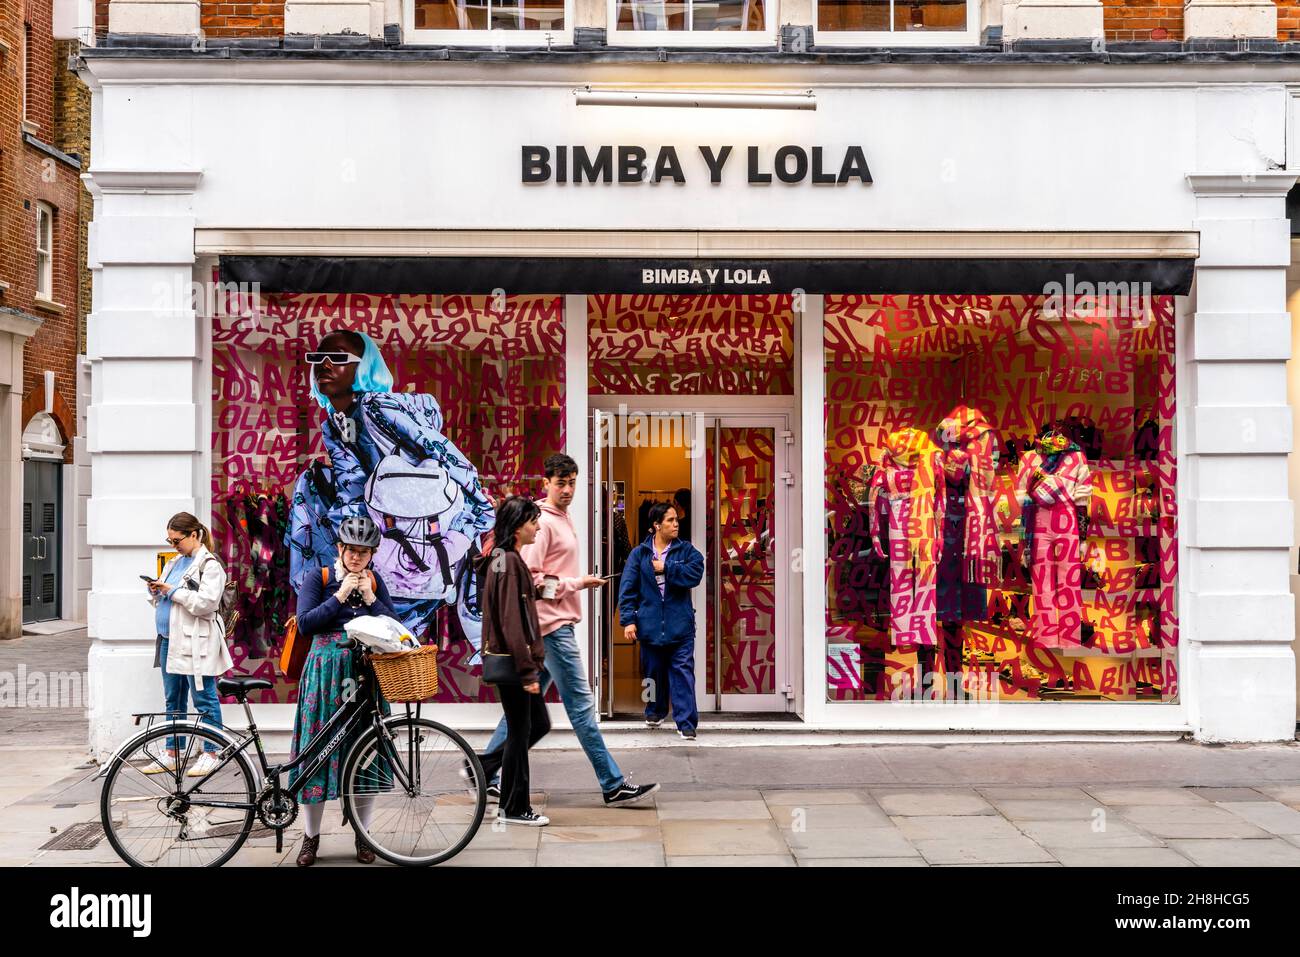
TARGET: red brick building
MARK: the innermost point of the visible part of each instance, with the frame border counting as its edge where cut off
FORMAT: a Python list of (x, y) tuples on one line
[(44, 298)]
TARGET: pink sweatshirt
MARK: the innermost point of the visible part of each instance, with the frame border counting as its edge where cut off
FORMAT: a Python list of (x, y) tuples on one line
[(555, 552)]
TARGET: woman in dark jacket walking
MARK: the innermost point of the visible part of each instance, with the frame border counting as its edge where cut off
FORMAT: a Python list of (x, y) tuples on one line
[(654, 605), (510, 627), (329, 599)]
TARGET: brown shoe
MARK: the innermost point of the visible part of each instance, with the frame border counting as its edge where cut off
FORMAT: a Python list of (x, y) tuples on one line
[(307, 856), (364, 854)]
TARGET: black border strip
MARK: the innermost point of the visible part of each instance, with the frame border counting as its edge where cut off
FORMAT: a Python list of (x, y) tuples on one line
[(418, 275)]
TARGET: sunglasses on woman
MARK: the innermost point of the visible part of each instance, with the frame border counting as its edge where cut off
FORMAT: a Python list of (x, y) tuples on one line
[(334, 358)]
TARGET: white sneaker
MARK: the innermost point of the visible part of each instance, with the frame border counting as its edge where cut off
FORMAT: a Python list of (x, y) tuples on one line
[(529, 818), (206, 763), (160, 763)]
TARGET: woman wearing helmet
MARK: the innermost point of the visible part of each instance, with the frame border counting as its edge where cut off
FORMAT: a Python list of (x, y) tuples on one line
[(327, 601)]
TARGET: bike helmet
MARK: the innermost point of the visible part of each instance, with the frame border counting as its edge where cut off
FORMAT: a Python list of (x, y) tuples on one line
[(360, 531)]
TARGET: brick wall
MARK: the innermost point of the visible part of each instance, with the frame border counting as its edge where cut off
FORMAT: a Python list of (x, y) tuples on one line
[(29, 175), (1288, 20), (231, 19), (1143, 19)]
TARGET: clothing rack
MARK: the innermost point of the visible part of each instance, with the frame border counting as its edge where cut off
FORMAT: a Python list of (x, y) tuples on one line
[(670, 492)]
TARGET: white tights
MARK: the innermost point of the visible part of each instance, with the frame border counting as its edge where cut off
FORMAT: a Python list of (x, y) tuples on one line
[(314, 814)]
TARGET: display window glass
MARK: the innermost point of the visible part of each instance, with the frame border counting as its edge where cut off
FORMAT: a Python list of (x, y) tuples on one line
[(455, 402), (1001, 495), (690, 345)]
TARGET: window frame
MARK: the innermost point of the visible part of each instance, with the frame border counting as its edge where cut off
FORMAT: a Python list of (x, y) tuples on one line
[(767, 37), (486, 38), (45, 272), (902, 38)]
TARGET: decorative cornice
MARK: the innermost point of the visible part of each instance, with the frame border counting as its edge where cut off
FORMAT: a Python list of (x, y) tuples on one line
[(1264, 183), (141, 181)]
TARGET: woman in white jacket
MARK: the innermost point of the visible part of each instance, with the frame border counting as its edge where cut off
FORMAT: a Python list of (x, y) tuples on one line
[(191, 636)]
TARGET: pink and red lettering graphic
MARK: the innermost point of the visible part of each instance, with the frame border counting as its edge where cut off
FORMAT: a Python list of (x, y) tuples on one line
[(495, 365), (1001, 495), (690, 345)]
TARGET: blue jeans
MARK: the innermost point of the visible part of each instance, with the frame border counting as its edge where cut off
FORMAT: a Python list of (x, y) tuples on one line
[(564, 669), (671, 670), (206, 701)]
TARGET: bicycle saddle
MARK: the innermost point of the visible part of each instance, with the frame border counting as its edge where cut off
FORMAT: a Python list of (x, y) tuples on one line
[(240, 687)]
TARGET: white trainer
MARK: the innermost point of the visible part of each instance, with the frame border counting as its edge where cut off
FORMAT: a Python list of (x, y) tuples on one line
[(206, 763)]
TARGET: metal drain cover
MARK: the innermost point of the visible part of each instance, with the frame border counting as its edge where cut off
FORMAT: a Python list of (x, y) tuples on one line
[(78, 837)]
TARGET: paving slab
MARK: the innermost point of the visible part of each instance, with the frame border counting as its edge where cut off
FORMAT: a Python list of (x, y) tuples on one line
[(626, 854), (749, 860), (714, 838), (828, 815), (917, 861), (599, 835), (1120, 857), (809, 796), (931, 802), (1232, 852), (1131, 797), (472, 857), (874, 842), (714, 811), (1286, 793), (667, 796), (1270, 816), (963, 827), (994, 794), (1066, 810), (1220, 795), (1179, 820), (1083, 834), (1017, 850), (602, 816)]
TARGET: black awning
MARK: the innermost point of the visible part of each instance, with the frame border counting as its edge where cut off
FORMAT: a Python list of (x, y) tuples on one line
[(417, 275)]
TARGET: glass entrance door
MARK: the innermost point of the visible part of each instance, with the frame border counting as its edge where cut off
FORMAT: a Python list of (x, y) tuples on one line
[(745, 666), (727, 477)]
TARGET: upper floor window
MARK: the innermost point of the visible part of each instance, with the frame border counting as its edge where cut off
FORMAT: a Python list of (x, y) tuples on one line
[(692, 22), (921, 22), (489, 22), (44, 252)]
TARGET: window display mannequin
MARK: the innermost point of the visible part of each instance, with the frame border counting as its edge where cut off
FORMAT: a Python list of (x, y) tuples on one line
[(1052, 480), (908, 500), (970, 561)]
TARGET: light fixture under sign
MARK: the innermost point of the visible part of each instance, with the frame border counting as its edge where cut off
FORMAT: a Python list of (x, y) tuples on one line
[(716, 101)]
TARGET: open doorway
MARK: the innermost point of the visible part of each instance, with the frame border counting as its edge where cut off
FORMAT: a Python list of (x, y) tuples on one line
[(727, 475)]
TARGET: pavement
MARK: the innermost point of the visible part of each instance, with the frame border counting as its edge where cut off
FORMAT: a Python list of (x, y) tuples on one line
[(1120, 802), (1115, 804)]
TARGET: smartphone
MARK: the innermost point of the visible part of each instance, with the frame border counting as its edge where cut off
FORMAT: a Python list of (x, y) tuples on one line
[(147, 579), (611, 577)]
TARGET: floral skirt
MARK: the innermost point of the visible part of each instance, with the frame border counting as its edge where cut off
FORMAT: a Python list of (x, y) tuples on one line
[(327, 675)]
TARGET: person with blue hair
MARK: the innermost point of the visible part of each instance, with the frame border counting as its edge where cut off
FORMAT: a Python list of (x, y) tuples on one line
[(389, 459)]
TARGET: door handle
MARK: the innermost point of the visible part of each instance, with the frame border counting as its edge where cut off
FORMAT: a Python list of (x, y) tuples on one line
[(40, 547), (36, 548)]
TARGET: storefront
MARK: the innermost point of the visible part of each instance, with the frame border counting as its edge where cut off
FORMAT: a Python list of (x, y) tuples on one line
[(974, 434)]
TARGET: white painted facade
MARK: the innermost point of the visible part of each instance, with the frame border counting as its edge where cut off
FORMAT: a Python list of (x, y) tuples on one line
[(194, 158)]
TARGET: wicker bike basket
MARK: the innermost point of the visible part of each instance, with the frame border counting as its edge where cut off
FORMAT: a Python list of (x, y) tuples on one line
[(408, 676)]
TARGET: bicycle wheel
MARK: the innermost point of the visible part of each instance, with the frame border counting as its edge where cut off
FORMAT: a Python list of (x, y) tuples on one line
[(164, 819), (416, 793)]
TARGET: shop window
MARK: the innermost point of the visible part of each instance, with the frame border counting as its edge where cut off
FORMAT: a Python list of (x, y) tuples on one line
[(44, 252), (893, 22), (690, 345), (691, 22), (504, 22), (1001, 498), (476, 399)]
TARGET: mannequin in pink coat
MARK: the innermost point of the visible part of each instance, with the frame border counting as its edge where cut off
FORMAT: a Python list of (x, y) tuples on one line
[(1053, 478), (971, 558)]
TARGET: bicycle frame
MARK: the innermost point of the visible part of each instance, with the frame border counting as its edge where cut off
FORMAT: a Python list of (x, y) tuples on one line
[(345, 722)]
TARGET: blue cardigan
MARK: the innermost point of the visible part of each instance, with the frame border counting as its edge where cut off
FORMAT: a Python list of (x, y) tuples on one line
[(660, 619), (320, 612)]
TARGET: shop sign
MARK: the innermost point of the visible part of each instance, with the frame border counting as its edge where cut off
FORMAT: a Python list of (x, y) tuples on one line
[(578, 164)]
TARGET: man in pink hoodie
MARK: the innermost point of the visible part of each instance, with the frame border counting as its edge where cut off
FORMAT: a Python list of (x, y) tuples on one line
[(553, 559)]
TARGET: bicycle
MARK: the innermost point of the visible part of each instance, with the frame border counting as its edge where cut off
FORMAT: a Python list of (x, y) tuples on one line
[(423, 781)]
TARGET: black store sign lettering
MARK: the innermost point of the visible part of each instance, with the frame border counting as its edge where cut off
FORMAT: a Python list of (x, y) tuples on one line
[(578, 165)]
